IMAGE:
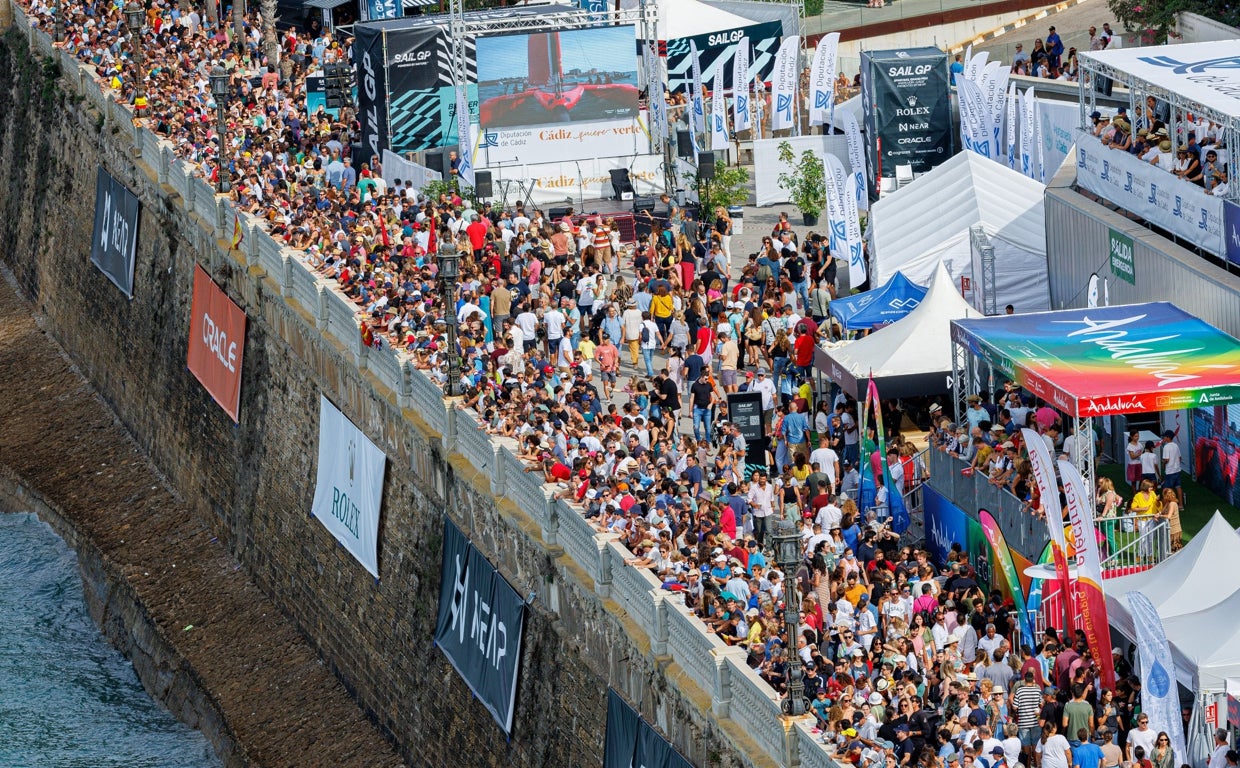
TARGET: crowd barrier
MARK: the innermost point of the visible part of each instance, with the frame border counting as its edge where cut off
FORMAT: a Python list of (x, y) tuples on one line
[(737, 693), (1024, 531)]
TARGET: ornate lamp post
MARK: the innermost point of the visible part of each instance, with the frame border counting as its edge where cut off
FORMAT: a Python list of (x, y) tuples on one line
[(448, 274), (58, 22), (135, 14), (787, 543), (219, 92)]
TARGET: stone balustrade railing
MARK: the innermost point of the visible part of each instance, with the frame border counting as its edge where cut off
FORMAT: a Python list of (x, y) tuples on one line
[(736, 692)]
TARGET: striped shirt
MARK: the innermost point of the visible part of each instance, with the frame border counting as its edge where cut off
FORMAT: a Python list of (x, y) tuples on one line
[(1028, 701)]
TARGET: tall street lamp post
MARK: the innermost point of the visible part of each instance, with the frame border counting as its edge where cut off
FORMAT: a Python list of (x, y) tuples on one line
[(788, 554), (448, 274), (219, 92), (135, 14)]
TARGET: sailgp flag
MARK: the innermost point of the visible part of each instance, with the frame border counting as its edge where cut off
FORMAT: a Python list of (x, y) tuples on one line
[(822, 79), (740, 86), (784, 84), (718, 114), (698, 101)]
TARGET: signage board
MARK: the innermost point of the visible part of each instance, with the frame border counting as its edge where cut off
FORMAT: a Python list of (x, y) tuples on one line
[(114, 244), (480, 623), (745, 411), (1120, 249), (349, 489), (216, 342)]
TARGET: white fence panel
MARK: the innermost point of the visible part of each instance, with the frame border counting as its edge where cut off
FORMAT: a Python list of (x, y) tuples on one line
[(756, 709), (631, 587), (305, 289), (342, 319), (524, 488), (578, 538), (427, 399), (473, 442), (690, 643), (383, 362)]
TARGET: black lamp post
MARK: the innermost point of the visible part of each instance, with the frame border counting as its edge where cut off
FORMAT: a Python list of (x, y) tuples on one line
[(219, 92), (58, 22), (135, 14), (448, 274), (787, 541)]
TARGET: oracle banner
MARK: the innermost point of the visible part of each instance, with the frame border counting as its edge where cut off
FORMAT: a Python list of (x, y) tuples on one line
[(216, 342)]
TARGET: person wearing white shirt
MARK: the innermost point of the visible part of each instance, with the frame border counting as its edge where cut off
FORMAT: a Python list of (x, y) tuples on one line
[(764, 385), (990, 641), (829, 517), (1056, 752), (1218, 758), (826, 459)]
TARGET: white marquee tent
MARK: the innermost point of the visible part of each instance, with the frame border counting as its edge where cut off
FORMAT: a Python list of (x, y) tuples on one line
[(689, 18), (927, 223), (912, 356), (1197, 593)]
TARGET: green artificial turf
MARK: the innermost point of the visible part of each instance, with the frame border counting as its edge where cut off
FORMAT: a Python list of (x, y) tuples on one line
[(1199, 502)]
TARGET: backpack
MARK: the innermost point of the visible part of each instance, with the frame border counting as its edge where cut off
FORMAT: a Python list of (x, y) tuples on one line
[(764, 273), (645, 334)]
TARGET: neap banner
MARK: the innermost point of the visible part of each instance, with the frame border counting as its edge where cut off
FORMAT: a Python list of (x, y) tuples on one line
[(480, 623), (631, 742), (349, 489), (216, 342), (114, 244)]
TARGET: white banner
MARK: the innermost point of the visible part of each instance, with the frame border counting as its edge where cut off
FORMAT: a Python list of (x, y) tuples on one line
[(1160, 698), (1039, 146), (398, 169), (655, 96), (767, 167), (464, 146), (837, 216), (718, 118), (740, 86), (1027, 159), (621, 138), (1011, 125), (974, 117), (856, 157), (1057, 124), (1044, 473), (1153, 194), (852, 219), (994, 88), (582, 181), (349, 489), (973, 66), (784, 84), (822, 79), (696, 96)]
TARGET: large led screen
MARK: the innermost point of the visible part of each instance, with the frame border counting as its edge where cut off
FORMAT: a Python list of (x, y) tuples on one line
[(545, 78)]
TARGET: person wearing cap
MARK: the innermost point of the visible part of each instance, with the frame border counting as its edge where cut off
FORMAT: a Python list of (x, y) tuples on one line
[(1054, 47)]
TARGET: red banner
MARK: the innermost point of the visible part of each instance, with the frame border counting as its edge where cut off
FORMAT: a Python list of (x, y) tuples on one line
[(216, 342), (1088, 572)]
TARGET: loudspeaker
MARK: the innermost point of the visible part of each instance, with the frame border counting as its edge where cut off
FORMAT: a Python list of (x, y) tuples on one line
[(555, 214), (620, 183), (482, 185), (706, 166), (437, 160), (684, 143), (644, 204)]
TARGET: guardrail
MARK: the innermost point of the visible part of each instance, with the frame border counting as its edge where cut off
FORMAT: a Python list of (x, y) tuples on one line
[(1023, 530), (736, 691), (1132, 542)]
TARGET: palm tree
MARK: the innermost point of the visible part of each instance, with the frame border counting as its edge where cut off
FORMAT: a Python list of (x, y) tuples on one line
[(271, 44)]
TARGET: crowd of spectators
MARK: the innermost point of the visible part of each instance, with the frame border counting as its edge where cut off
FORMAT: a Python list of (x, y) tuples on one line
[(906, 663)]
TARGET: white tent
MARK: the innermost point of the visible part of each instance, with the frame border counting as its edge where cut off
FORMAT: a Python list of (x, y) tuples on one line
[(927, 223), (1205, 644), (689, 18), (912, 356), (1192, 582)]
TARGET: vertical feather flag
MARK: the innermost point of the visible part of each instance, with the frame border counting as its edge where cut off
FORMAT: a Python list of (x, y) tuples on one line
[(784, 85), (1089, 592), (697, 97), (856, 157), (1044, 474), (895, 501), (740, 86), (822, 79), (718, 114), (1160, 698), (464, 147)]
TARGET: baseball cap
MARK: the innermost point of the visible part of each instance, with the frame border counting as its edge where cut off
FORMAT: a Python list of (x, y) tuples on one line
[(997, 751)]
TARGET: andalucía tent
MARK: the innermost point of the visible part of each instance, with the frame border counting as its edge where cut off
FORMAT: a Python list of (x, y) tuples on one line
[(880, 306), (928, 222), (911, 356)]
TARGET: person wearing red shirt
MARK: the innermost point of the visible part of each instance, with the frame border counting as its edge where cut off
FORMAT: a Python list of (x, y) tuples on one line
[(803, 351), (477, 232)]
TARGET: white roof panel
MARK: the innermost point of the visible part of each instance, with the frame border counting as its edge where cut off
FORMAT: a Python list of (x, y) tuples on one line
[(1207, 73)]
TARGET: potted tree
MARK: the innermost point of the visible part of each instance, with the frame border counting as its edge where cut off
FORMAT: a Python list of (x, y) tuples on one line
[(805, 182), (728, 188)]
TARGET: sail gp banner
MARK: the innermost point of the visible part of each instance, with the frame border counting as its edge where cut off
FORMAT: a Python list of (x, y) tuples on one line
[(349, 490), (481, 619), (1177, 206), (1106, 361), (115, 241)]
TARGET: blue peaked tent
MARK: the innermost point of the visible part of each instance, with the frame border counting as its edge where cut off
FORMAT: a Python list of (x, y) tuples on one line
[(880, 306)]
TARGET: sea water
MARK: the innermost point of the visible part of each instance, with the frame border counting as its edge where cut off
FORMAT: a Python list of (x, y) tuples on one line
[(68, 699)]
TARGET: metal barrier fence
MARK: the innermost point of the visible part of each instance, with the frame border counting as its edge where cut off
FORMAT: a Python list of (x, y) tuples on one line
[(1132, 542), (1023, 530)]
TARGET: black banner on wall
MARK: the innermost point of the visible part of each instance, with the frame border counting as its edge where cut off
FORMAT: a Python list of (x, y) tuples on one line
[(908, 114), (372, 99), (481, 619), (718, 49), (745, 411), (631, 741), (114, 246)]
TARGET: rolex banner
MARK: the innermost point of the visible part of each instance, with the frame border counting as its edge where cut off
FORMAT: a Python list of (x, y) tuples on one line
[(481, 618), (114, 245), (349, 489), (908, 111)]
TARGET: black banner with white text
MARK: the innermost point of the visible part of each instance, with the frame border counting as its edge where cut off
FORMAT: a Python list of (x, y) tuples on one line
[(481, 618), (114, 245)]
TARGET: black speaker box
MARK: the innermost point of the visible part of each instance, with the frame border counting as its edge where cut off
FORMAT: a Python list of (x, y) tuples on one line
[(706, 165), (684, 143), (482, 185)]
